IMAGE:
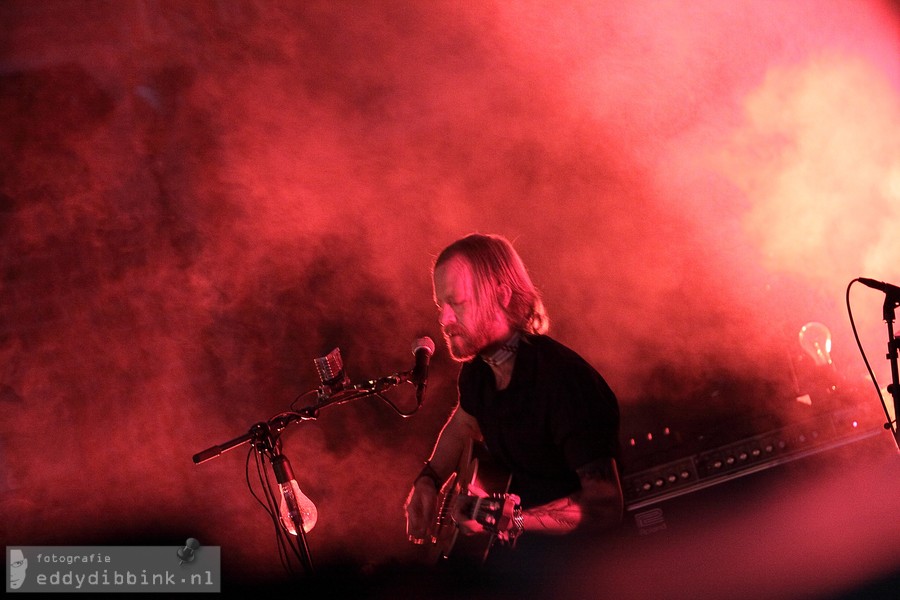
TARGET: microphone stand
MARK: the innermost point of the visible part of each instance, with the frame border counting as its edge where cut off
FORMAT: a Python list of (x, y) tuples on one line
[(266, 443), (264, 438), (890, 303)]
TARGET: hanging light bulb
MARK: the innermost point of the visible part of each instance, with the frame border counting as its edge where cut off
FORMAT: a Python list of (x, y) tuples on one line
[(308, 513), (290, 491), (815, 339)]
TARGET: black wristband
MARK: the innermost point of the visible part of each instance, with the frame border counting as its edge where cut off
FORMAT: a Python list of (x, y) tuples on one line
[(429, 472)]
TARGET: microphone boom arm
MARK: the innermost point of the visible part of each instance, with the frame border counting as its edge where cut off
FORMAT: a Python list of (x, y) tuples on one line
[(324, 398), (264, 436)]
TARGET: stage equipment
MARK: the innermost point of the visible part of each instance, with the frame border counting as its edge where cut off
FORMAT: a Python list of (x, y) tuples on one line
[(815, 339), (891, 301), (293, 512)]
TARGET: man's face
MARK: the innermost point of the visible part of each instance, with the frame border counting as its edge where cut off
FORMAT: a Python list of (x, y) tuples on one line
[(17, 566), (467, 327)]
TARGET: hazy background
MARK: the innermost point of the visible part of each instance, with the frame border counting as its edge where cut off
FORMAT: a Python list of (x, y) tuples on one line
[(197, 199)]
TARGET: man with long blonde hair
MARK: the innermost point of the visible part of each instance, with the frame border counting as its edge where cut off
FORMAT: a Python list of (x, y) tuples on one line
[(539, 410)]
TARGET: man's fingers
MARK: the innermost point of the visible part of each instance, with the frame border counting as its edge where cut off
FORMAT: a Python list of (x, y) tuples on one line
[(475, 490)]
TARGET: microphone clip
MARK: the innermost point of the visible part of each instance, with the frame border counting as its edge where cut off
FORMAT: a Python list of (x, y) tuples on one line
[(331, 373)]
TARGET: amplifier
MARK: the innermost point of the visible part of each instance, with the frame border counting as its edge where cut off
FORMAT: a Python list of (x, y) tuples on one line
[(650, 487)]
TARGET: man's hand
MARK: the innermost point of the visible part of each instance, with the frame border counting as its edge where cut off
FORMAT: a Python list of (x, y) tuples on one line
[(479, 512), (421, 507), (463, 510)]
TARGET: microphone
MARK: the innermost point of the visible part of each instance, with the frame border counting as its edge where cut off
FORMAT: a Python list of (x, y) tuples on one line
[(892, 291), (422, 348)]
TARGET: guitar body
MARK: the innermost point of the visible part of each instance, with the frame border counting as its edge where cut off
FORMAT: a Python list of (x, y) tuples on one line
[(476, 474)]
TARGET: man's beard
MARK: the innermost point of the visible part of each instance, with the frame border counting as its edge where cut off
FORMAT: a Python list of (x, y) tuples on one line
[(463, 344)]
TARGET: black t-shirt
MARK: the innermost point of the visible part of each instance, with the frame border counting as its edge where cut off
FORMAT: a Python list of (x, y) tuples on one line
[(556, 414)]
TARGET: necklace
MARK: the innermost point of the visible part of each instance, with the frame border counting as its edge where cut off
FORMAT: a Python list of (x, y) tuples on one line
[(506, 351)]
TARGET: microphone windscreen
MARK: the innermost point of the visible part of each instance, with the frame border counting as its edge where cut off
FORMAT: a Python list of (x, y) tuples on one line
[(423, 343)]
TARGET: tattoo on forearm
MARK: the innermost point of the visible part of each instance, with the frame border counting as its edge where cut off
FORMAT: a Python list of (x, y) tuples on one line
[(561, 514), (599, 501)]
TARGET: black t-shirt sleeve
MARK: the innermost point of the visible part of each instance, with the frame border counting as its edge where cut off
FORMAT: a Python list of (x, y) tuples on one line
[(585, 417)]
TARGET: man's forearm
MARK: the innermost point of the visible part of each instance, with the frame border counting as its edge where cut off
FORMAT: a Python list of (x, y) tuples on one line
[(454, 437), (598, 505), (554, 518)]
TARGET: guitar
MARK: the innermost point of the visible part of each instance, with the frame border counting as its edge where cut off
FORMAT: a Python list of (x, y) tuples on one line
[(478, 490)]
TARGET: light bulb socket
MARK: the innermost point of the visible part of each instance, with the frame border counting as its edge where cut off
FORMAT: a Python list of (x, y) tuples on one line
[(282, 468)]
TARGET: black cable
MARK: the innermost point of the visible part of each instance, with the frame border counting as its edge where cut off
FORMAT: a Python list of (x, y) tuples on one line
[(889, 423), (270, 505)]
